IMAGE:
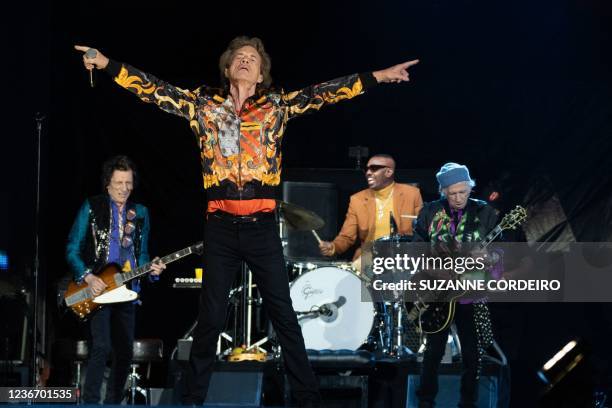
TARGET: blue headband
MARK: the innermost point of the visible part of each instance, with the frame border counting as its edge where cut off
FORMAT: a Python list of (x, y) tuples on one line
[(452, 173)]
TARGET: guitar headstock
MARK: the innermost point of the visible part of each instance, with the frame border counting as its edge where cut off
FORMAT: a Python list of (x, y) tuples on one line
[(198, 248), (514, 218)]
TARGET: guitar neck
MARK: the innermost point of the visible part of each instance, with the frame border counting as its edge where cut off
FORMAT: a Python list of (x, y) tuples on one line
[(143, 269), (490, 237)]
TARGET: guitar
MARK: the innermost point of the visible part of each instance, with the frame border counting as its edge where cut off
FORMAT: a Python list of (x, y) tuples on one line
[(79, 298), (433, 315)]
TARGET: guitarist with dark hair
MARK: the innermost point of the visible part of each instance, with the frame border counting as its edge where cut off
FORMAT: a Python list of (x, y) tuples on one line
[(110, 229), (452, 219)]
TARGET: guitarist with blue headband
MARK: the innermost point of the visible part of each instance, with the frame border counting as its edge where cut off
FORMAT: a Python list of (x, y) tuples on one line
[(453, 219)]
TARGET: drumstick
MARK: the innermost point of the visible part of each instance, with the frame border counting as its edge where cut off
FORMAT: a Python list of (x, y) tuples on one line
[(316, 236)]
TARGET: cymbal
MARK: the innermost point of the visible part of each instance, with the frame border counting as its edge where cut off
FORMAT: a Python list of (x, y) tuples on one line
[(299, 218)]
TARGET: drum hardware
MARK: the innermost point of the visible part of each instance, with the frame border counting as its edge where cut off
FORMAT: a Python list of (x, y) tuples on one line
[(333, 315), (325, 323), (241, 347), (135, 391), (232, 339), (81, 354), (240, 335), (299, 218), (144, 351), (230, 336), (242, 354), (335, 291), (293, 220), (282, 232), (340, 324), (392, 327), (328, 312), (399, 348), (385, 327), (247, 304)]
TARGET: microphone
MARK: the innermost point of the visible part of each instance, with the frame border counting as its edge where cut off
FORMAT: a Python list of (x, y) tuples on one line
[(91, 53), (39, 117), (327, 310), (324, 310)]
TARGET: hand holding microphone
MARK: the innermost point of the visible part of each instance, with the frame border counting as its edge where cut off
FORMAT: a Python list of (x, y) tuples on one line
[(90, 54), (92, 58)]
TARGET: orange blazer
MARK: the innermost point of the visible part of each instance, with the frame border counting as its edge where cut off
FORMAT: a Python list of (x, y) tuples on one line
[(360, 219)]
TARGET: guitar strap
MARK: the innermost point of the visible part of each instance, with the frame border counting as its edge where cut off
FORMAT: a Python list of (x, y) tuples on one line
[(129, 255), (470, 223)]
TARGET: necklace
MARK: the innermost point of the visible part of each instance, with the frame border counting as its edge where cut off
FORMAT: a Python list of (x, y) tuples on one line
[(380, 205)]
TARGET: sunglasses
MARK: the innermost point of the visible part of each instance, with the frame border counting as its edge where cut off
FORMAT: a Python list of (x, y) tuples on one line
[(374, 168)]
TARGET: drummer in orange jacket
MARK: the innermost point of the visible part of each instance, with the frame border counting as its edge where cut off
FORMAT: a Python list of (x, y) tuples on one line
[(370, 210)]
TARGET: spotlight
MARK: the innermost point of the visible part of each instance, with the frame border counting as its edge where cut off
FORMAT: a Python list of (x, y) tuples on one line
[(567, 378), (4, 262)]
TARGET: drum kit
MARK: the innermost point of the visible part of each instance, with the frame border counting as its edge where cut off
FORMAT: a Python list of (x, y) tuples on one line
[(333, 301)]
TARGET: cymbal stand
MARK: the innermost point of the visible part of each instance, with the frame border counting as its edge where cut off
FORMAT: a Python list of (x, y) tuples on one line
[(384, 328), (248, 301), (399, 348), (225, 335), (246, 306)]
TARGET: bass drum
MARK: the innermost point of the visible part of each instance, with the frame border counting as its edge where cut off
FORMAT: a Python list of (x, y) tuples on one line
[(349, 318)]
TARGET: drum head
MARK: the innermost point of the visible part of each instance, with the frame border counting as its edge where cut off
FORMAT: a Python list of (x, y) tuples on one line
[(351, 319)]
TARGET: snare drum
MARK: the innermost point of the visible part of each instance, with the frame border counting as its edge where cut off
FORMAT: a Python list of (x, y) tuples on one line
[(350, 318)]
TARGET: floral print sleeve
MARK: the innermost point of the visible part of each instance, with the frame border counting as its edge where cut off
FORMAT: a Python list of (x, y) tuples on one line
[(150, 89), (313, 98)]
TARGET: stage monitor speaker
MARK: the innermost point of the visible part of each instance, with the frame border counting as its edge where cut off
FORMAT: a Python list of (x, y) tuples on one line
[(234, 389), (448, 394), (322, 199), (14, 375), (13, 329), (161, 396)]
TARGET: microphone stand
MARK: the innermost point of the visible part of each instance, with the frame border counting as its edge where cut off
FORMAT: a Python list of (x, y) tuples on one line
[(39, 117)]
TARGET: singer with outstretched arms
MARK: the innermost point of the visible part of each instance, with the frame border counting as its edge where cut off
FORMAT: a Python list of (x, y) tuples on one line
[(239, 129)]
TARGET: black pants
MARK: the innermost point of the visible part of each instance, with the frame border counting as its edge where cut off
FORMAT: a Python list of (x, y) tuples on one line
[(434, 351), (112, 328), (227, 243)]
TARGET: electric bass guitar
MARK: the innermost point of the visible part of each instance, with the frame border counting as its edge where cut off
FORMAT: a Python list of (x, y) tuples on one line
[(80, 299), (434, 311)]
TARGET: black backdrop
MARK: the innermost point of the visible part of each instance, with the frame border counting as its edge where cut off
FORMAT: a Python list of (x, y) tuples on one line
[(511, 89)]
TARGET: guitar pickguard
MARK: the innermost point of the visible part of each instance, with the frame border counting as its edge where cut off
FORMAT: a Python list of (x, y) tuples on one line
[(117, 295)]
